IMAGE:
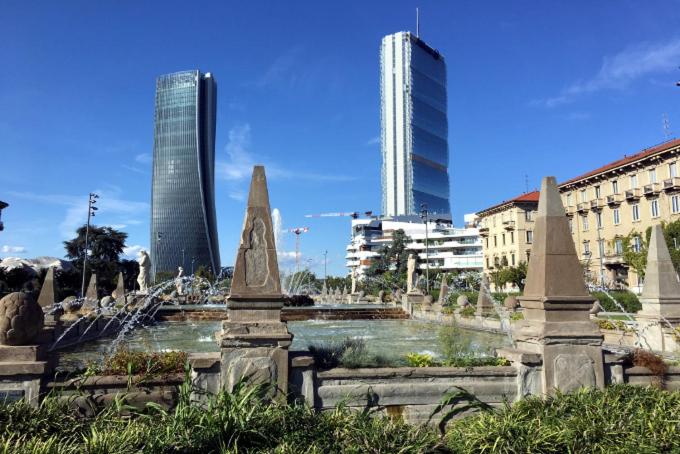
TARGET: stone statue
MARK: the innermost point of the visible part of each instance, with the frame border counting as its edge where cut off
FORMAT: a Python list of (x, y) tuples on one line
[(144, 266), (354, 280), (21, 319), (411, 274), (178, 281)]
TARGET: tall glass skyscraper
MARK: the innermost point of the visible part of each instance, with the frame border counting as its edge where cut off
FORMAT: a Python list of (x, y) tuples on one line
[(415, 147), (183, 222)]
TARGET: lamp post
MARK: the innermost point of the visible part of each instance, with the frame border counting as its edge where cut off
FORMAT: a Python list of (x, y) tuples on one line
[(3, 205), (600, 246), (90, 213), (424, 215)]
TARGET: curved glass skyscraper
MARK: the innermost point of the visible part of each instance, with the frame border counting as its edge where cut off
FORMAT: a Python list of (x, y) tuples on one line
[(183, 222), (414, 128)]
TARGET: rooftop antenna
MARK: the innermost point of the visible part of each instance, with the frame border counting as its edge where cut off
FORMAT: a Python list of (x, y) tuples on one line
[(417, 22), (666, 127)]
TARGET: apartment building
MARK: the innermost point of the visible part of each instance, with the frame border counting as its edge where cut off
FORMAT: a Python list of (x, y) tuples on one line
[(449, 248), (604, 206), (507, 231)]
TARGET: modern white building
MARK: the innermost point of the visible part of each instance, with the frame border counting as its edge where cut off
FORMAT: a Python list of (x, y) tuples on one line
[(414, 127), (450, 249)]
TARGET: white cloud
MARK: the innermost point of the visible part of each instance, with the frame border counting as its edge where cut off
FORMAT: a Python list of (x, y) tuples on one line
[(281, 69), (133, 169), (6, 249), (111, 207), (143, 158), (131, 252), (622, 69), (373, 140), (239, 166)]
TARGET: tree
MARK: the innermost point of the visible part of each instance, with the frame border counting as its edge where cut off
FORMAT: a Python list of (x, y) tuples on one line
[(392, 259), (514, 275), (106, 245)]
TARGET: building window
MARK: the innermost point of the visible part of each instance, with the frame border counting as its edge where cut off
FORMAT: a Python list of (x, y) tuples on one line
[(571, 225), (495, 262), (586, 248), (512, 237), (530, 236), (637, 244), (633, 181), (528, 255), (673, 169), (675, 203), (618, 246), (569, 199), (597, 192), (487, 262), (598, 219), (635, 208), (486, 240), (655, 208), (600, 247), (527, 215), (584, 222), (617, 216), (513, 259), (584, 195), (652, 176), (615, 187), (504, 239), (495, 241)]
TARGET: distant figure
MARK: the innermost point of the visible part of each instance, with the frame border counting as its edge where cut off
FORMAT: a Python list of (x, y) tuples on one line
[(144, 266), (178, 281), (411, 275)]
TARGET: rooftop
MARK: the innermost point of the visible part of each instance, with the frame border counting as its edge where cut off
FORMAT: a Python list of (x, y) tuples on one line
[(527, 197)]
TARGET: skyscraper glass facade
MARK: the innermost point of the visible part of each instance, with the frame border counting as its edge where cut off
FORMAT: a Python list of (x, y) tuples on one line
[(183, 221), (414, 128)]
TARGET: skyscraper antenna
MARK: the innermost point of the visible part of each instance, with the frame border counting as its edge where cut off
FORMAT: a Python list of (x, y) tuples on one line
[(666, 127), (417, 22)]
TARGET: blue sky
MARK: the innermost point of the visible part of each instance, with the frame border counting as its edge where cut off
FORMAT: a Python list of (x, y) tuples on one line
[(535, 88)]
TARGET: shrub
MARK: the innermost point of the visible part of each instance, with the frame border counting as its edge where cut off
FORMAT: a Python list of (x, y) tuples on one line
[(298, 300), (517, 316), (653, 362), (126, 362), (467, 312), (618, 419), (628, 300), (614, 325), (476, 361), (420, 360), (349, 353)]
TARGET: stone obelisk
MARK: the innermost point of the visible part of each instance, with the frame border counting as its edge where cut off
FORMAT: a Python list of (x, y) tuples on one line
[(254, 341), (556, 303), (48, 291), (660, 295), (485, 306)]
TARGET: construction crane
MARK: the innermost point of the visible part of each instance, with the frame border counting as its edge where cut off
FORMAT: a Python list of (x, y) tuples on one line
[(353, 215), (297, 231)]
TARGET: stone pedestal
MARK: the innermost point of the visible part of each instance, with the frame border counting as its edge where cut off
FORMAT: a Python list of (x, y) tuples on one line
[(254, 346), (22, 368)]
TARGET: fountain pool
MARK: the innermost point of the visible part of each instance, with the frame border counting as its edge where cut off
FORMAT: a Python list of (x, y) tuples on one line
[(390, 338)]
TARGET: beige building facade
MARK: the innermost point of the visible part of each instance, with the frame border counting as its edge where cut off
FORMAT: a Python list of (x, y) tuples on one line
[(507, 232), (604, 206)]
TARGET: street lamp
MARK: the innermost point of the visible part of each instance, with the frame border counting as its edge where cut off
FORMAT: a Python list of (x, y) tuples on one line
[(600, 246), (3, 205), (90, 213), (424, 215)]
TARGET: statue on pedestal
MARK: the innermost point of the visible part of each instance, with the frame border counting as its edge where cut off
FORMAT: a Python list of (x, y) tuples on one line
[(411, 275), (144, 267), (178, 281), (354, 280)]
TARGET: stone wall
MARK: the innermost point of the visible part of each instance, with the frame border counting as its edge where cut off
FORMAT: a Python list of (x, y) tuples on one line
[(409, 392)]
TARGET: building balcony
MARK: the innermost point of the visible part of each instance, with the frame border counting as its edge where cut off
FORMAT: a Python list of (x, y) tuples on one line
[(613, 259), (509, 225), (651, 190), (614, 199), (484, 231), (597, 204), (582, 207), (570, 210), (632, 194), (671, 184)]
